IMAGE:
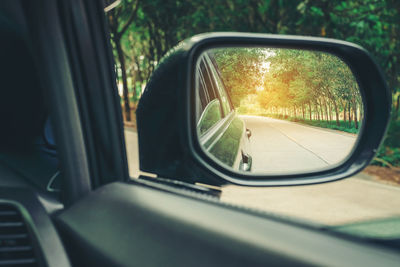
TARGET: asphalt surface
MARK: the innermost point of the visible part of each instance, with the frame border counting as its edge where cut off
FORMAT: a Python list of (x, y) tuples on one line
[(279, 146), (131, 141), (347, 201), (356, 199)]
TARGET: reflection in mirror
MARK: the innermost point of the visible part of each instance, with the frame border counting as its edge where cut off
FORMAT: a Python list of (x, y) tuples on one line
[(276, 111)]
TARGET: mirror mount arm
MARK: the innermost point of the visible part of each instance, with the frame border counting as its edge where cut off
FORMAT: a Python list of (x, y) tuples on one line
[(248, 133)]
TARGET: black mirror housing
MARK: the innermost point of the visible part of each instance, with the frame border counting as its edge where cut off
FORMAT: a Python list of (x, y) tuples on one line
[(167, 146)]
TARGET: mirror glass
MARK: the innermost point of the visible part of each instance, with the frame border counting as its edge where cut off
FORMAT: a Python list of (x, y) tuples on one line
[(275, 111)]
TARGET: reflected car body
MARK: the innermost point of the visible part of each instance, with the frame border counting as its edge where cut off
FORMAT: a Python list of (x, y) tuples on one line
[(220, 130)]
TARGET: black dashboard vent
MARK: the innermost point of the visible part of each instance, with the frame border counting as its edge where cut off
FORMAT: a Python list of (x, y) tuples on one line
[(16, 248)]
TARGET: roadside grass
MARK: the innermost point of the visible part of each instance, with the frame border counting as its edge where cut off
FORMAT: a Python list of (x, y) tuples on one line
[(344, 126), (389, 153)]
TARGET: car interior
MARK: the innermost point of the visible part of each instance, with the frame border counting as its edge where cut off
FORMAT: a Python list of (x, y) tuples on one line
[(28, 158), (51, 215), (27, 145)]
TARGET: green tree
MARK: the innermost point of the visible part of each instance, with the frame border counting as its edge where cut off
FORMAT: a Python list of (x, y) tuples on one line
[(120, 18)]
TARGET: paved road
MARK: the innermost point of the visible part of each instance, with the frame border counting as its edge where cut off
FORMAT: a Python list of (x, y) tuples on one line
[(350, 200), (131, 140), (281, 146), (341, 202)]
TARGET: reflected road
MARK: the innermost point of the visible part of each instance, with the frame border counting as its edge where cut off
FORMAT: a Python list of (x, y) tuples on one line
[(283, 146)]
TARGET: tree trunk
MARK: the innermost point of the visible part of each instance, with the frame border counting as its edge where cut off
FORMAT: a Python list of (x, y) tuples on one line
[(133, 84), (320, 111), (326, 110), (344, 113), (350, 116), (355, 115), (309, 105), (361, 112), (121, 59), (337, 113), (396, 111)]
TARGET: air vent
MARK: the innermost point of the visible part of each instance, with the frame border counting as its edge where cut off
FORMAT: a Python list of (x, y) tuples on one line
[(15, 245)]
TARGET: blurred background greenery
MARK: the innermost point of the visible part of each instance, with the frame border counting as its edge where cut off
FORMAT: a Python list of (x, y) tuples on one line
[(142, 31), (302, 86)]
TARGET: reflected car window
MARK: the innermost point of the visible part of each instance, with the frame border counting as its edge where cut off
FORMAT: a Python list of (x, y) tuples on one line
[(221, 90), (209, 104)]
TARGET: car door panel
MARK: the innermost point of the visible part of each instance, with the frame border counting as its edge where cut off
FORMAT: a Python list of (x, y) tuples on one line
[(227, 147), (137, 225)]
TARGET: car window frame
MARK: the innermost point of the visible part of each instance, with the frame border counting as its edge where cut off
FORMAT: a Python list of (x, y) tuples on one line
[(212, 84), (218, 77)]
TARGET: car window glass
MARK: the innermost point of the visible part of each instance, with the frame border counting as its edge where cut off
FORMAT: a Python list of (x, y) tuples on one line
[(204, 97), (208, 81), (222, 91), (209, 106)]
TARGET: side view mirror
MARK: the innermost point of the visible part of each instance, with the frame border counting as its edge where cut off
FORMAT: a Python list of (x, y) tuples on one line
[(316, 110)]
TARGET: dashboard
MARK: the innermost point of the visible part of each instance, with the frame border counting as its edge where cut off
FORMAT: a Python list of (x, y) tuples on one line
[(142, 223), (27, 234)]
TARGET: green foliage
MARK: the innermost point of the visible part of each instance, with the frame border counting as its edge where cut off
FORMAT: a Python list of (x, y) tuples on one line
[(161, 24), (345, 126), (389, 152), (241, 70), (393, 136), (387, 157), (291, 82)]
